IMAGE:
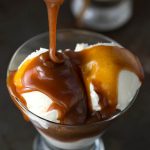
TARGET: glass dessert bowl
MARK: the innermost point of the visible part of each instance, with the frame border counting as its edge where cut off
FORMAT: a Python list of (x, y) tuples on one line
[(56, 136)]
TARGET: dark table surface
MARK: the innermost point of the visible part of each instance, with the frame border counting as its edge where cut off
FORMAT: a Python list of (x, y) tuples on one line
[(23, 19)]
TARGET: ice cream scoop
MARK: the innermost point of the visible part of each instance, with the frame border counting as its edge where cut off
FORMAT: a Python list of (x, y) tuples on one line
[(112, 75), (128, 81), (52, 91)]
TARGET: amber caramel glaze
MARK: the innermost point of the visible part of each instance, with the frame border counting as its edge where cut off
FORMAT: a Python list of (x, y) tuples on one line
[(59, 82), (14, 94), (67, 84), (53, 9), (101, 65)]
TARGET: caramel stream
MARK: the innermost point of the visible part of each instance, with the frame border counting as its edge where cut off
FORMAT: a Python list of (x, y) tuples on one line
[(53, 9)]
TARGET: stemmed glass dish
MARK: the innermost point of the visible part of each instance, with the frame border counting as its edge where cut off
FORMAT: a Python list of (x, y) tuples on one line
[(103, 15), (54, 136)]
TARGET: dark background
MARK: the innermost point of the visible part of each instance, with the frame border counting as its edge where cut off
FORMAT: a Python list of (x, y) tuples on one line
[(23, 19)]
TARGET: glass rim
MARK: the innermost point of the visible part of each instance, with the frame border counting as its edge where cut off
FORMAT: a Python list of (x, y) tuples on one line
[(67, 125)]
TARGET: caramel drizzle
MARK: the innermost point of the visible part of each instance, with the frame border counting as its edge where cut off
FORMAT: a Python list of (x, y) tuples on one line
[(67, 84), (53, 7)]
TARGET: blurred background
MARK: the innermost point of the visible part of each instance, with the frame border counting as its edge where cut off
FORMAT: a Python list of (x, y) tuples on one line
[(128, 23)]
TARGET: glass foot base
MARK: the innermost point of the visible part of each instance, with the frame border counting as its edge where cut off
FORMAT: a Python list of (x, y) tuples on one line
[(40, 144)]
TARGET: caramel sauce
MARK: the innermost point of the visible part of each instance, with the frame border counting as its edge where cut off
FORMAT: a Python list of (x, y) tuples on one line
[(67, 83), (101, 65), (59, 82), (14, 94), (66, 77), (53, 9)]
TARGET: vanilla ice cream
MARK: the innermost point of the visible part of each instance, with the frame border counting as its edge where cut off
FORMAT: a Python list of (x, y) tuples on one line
[(38, 103), (128, 82)]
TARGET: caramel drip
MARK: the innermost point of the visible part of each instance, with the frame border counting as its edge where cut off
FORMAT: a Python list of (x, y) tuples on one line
[(53, 7), (14, 94)]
